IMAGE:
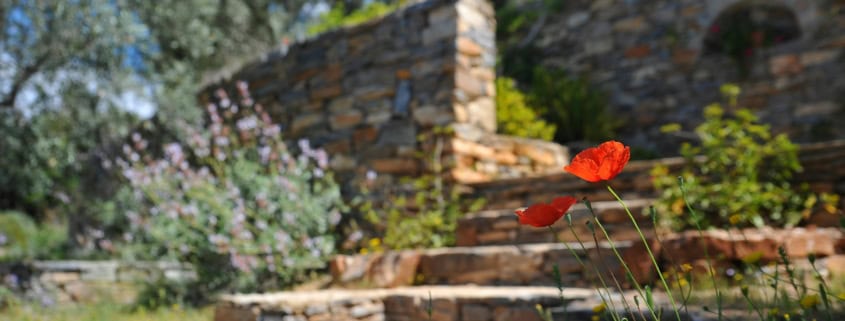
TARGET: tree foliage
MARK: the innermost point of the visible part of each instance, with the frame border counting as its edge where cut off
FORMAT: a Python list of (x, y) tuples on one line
[(73, 73)]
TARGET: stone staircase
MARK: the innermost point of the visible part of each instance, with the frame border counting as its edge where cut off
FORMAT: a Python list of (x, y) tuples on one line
[(500, 270)]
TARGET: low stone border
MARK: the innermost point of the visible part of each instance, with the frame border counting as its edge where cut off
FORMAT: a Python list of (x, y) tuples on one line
[(729, 247), (87, 281)]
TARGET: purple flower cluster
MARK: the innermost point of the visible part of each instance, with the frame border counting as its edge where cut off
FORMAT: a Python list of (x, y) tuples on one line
[(234, 189)]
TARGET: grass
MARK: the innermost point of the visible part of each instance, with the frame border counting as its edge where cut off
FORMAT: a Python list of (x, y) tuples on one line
[(102, 312)]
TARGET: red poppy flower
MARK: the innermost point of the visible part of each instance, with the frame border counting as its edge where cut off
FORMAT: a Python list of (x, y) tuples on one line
[(542, 215), (600, 163)]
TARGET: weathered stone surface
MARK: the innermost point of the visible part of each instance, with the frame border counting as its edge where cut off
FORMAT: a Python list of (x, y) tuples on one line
[(500, 227), (658, 54), (346, 119), (395, 165), (229, 313), (457, 303)]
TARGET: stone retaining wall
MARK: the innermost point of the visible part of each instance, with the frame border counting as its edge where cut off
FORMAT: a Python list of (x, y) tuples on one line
[(87, 281), (823, 170), (502, 226), (652, 60)]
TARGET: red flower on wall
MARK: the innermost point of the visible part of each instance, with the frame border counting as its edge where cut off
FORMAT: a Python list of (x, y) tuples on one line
[(600, 163), (542, 215)]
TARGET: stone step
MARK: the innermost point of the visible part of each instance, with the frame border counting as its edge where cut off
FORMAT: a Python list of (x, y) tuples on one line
[(527, 264), (633, 183), (823, 171), (494, 227), (448, 303)]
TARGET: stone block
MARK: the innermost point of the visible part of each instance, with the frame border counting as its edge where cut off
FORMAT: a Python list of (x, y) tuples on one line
[(504, 313), (476, 312), (631, 25), (395, 165), (431, 115), (468, 47), (363, 136), (394, 269), (482, 113), (476, 150), (326, 92), (346, 119), (788, 64), (302, 122), (638, 51), (228, 313)]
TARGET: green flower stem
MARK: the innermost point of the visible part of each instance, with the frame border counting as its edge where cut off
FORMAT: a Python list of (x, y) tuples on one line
[(627, 269), (584, 266), (710, 269), (650, 254)]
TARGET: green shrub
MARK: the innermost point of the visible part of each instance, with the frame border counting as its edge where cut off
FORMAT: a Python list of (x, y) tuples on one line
[(338, 17), (419, 212), (21, 238), (515, 117), (237, 204), (738, 175), (572, 105)]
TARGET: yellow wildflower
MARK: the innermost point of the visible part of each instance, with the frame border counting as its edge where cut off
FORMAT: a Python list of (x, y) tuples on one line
[(375, 242), (686, 267), (599, 308), (364, 250), (810, 301), (735, 219), (683, 282), (753, 257), (595, 318)]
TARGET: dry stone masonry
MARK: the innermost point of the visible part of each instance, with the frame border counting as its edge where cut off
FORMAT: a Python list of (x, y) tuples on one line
[(59, 282), (656, 64), (366, 93), (404, 304)]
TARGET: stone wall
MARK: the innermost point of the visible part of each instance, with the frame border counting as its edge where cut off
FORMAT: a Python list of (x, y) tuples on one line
[(651, 60), (51, 282), (365, 93), (823, 171)]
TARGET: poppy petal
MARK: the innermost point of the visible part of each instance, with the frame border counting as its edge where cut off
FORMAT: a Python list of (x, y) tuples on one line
[(563, 203)]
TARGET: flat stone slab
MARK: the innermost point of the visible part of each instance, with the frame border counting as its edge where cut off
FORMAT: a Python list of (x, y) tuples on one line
[(466, 302), (494, 227)]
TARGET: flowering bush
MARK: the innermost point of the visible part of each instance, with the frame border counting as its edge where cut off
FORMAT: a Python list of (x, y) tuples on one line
[(743, 178), (234, 201)]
